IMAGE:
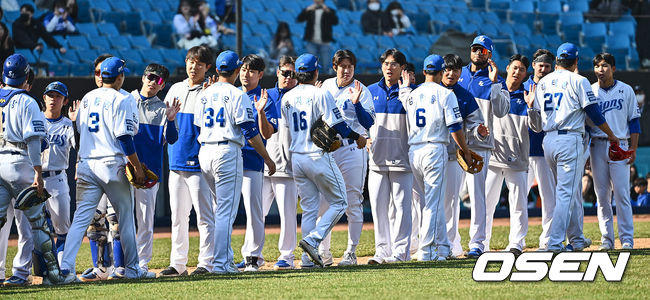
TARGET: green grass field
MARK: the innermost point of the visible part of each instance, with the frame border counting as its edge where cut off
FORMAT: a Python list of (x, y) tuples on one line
[(419, 280)]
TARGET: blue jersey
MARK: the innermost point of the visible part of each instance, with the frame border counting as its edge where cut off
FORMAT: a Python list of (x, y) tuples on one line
[(536, 138), (466, 102), (252, 160)]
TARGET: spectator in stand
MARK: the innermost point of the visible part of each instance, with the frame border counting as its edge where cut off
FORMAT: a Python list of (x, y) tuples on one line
[(282, 43), (318, 33), (210, 23), (376, 21), (187, 25), (28, 30), (6, 43), (401, 22), (70, 6), (59, 21), (641, 188), (225, 10)]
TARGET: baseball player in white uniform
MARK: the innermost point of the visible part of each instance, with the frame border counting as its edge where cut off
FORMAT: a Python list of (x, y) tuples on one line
[(106, 122), (224, 114), (314, 170), (21, 133), (187, 187), (432, 114), (280, 186), (538, 169), (156, 127), (509, 160), (355, 102), (617, 102), (481, 78), (558, 105)]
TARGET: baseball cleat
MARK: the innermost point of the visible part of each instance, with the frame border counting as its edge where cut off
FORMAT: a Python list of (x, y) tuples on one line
[(200, 271), (438, 258), (627, 246), (282, 265), (232, 268), (251, 264), (117, 274), (87, 271), (147, 274), (15, 281), (242, 264), (605, 247), (312, 252), (95, 275), (515, 251), (68, 277), (171, 272), (474, 253), (305, 262), (349, 259), (327, 258), (376, 260)]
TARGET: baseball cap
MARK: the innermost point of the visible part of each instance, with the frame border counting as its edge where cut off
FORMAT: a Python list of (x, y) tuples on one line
[(567, 51), (58, 87), (112, 67), (228, 61), (15, 70), (434, 62), (306, 63), (483, 41)]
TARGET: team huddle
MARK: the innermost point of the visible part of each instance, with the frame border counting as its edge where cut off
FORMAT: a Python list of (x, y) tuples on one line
[(314, 141)]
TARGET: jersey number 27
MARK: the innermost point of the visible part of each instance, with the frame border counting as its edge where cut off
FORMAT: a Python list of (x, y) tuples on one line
[(548, 101)]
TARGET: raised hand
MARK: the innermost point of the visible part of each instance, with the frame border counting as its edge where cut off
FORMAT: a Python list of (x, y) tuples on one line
[(211, 81), (171, 111), (529, 97), (405, 81), (493, 70), (261, 103), (318, 84), (73, 109), (355, 94)]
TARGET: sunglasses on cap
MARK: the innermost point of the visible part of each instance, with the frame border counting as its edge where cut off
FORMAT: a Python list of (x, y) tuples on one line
[(155, 78), (286, 73)]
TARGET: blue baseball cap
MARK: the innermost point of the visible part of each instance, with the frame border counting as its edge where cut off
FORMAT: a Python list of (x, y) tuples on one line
[(58, 87), (307, 63), (112, 67), (15, 70), (567, 51), (483, 41), (434, 62), (228, 61)]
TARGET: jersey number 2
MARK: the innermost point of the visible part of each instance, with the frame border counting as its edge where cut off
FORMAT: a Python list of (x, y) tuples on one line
[(209, 117), (93, 122)]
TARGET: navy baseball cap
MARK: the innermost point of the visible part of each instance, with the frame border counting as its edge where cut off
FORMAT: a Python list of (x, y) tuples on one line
[(483, 41), (58, 87), (434, 62), (228, 61), (112, 67), (307, 63), (567, 51), (15, 70)]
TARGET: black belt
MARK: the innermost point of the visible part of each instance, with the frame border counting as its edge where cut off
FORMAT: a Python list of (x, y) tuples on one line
[(47, 174), (562, 132)]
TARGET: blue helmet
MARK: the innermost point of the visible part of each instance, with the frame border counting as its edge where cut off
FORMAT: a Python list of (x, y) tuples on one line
[(15, 70)]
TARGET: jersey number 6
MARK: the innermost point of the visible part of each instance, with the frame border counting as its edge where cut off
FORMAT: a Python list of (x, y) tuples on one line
[(420, 120)]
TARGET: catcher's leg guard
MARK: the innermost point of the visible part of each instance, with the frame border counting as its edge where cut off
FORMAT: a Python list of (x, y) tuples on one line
[(45, 261), (98, 235), (118, 254)]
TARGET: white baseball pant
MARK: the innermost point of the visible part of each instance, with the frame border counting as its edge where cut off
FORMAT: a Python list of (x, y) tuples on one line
[(22, 263), (539, 170), (59, 204), (390, 200), (283, 190), (416, 211), (145, 209), (353, 163), (222, 167), (252, 195), (428, 164), (454, 179), (518, 204), (187, 190), (96, 177), (563, 153), (476, 188), (612, 176), (316, 175)]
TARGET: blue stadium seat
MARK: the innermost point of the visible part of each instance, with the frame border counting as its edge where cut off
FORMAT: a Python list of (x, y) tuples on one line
[(164, 36), (97, 9), (472, 17), (404, 41), (167, 16), (500, 7), (27, 54), (108, 29), (87, 57), (173, 56), (586, 54), (578, 5), (594, 35), (59, 69), (571, 26), (112, 17), (627, 28), (81, 69), (537, 41), (141, 6), (386, 42), (61, 39), (121, 5), (152, 56), (348, 42), (83, 11), (554, 41), (70, 57), (491, 17), (469, 28), (78, 42), (490, 30), (139, 42), (229, 41), (504, 48), (87, 29), (506, 29), (162, 5), (120, 42), (520, 29), (10, 16), (133, 23), (522, 43), (618, 42), (46, 56), (548, 15), (522, 12), (100, 43), (480, 4), (421, 23)]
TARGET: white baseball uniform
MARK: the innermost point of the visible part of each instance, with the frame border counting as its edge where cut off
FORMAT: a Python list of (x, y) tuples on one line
[(352, 161), (618, 105), (220, 111), (22, 263), (431, 112), (104, 115), (314, 171), (560, 99)]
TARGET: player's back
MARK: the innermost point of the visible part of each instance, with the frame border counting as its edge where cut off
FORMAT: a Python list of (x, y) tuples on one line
[(301, 107), (219, 111), (104, 115), (561, 96), (21, 117), (426, 113)]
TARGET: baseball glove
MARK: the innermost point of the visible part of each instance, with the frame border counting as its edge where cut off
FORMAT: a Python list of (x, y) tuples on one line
[(324, 136), (617, 153), (150, 177), (474, 166), (29, 198)]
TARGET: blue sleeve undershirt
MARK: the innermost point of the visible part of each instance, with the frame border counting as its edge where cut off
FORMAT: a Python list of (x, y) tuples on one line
[(343, 129), (171, 135), (454, 127), (127, 144), (249, 129), (365, 119), (635, 125), (593, 111)]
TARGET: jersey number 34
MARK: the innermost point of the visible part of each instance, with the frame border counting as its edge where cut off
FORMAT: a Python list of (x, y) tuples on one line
[(210, 118)]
